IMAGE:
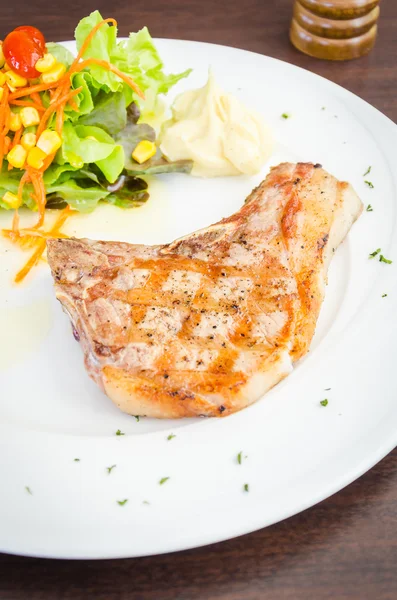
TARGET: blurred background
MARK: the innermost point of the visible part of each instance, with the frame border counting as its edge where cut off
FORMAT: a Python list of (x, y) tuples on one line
[(257, 25)]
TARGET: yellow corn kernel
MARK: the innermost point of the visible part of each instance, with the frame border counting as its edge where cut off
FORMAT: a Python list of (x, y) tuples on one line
[(49, 142), (46, 63), (15, 80), (15, 121), (2, 78), (143, 151), (29, 116), (28, 140), (12, 200), (2, 59), (54, 74), (6, 67), (36, 158), (1, 92), (17, 156)]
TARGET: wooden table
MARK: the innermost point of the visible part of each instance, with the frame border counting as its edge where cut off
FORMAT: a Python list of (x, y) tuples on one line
[(344, 548)]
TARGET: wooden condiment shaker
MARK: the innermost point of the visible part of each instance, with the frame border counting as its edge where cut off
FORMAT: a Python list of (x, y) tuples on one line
[(335, 29)]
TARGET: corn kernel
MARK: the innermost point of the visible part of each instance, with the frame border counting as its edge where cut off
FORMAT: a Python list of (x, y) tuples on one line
[(143, 151), (1, 92), (12, 200), (6, 67), (15, 80), (2, 59), (29, 116), (2, 78), (49, 142), (28, 140), (17, 156), (54, 74), (15, 121), (46, 63), (36, 158)]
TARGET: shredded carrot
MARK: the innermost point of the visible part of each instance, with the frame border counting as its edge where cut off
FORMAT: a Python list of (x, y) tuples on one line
[(3, 125), (53, 107), (28, 91), (54, 232), (17, 137), (88, 40), (103, 63), (73, 105), (37, 98), (39, 107)]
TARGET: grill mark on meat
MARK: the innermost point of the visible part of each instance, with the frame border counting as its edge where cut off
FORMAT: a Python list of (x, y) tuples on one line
[(205, 325)]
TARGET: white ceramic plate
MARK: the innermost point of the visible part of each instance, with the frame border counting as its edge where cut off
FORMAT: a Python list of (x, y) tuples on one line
[(297, 451)]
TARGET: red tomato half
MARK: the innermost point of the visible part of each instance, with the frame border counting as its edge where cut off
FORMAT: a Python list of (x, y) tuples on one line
[(22, 49), (35, 34)]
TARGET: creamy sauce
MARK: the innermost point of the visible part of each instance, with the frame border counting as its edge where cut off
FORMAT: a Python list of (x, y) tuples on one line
[(23, 329), (217, 132)]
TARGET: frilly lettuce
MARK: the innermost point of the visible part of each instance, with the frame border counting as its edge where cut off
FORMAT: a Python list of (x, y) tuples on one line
[(94, 162)]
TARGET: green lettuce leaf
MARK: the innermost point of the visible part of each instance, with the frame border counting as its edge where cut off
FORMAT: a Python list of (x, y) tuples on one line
[(109, 113), (61, 53)]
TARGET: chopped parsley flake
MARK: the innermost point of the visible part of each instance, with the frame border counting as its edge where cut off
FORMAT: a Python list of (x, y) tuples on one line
[(145, 502), (323, 108), (118, 432), (285, 116), (171, 436), (163, 480), (374, 253), (29, 491), (122, 502), (384, 295), (327, 389), (367, 171), (246, 487), (240, 458), (369, 208), (137, 418), (369, 184), (76, 460), (110, 469), (385, 260), (324, 402)]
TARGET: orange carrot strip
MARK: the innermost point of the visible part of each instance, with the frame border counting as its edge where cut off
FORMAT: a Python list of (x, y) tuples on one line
[(17, 137), (3, 126), (88, 40), (34, 259), (54, 107), (73, 105), (103, 63), (28, 91), (37, 98), (7, 144), (59, 119), (39, 107)]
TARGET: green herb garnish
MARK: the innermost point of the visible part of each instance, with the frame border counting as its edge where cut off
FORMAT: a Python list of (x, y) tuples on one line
[(384, 295), (369, 208), (110, 469), (29, 491), (367, 171), (137, 418), (285, 116), (324, 402), (172, 435), (374, 253), (246, 487), (385, 260), (369, 184), (76, 460), (145, 502), (240, 458), (163, 480), (122, 502), (118, 432), (327, 389)]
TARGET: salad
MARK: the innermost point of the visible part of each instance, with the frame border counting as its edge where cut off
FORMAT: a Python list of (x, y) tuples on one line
[(72, 129)]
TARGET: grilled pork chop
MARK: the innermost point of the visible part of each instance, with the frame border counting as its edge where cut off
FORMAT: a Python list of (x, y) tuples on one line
[(207, 324)]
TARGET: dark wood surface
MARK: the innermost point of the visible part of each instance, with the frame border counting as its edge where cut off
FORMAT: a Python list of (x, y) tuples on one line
[(345, 547)]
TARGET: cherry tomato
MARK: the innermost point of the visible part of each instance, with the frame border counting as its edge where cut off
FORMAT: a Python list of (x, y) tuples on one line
[(22, 49), (35, 34)]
